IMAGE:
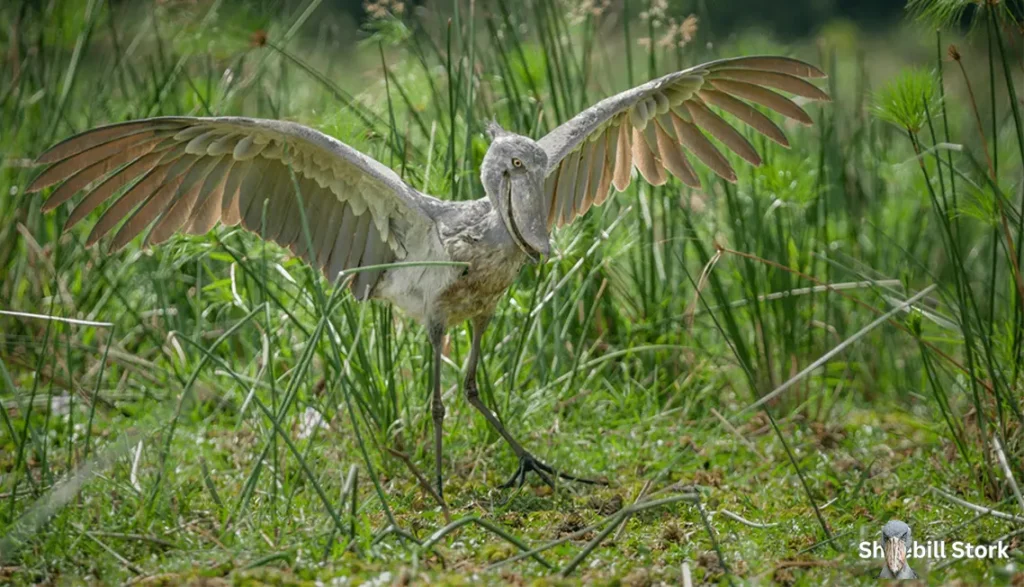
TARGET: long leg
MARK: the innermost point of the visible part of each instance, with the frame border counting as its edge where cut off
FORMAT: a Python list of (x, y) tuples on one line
[(527, 462), (436, 334)]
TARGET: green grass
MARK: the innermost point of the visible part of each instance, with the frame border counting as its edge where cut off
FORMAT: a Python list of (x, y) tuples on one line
[(225, 415)]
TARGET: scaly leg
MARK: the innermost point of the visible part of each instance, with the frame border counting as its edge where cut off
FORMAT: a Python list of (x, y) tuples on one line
[(527, 462), (436, 405)]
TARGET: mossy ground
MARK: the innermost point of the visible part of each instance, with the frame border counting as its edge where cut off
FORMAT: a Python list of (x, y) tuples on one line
[(876, 466)]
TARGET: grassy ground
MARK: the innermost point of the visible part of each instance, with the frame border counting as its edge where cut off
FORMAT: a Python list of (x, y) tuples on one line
[(217, 413)]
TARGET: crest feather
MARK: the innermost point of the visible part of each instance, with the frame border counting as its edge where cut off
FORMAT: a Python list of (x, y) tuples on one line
[(495, 131)]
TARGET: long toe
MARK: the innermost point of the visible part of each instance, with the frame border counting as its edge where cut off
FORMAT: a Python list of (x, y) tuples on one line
[(540, 467), (517, 479), (542, 470), (529, 463)]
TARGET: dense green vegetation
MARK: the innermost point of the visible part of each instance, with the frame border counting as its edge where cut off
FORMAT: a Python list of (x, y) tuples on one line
[(214, 411)]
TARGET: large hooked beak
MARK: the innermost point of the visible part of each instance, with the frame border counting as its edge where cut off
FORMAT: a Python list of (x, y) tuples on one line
[(895, 554), (525, 216)]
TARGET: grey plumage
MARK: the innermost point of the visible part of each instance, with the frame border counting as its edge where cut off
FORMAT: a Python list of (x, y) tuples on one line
[(185, 174), (896, 542)]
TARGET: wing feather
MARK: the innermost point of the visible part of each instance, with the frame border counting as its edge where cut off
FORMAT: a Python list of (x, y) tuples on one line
[(179, 208), (771, 79), (764, 97), (342, 243), (695, 141), (786, 65), (675, 160), (186, 174), (355, 254), (587, 163), (101, 168), (281, 197), (649, 136), (223, 145), (664, 123), (207, 209), (605, 187), (551, 194), (654, 126), (75, 163), (327, 215), (717, 127), (154, 204), (137, 194), (566, 187), (139, 168), (746, 113), (599, 161), (292, 230), (375, 253), (250, 197), (623, 159), (646, 164), (85, 141), (248, 148), (229, 212), (256, 214)]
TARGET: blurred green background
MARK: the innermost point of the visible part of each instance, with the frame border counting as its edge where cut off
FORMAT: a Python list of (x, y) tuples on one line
[(784, 18)]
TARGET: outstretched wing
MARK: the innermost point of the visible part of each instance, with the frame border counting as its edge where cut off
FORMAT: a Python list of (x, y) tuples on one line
[(656, 125), (186, 174)]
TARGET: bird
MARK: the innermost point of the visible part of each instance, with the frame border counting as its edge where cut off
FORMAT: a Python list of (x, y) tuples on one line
[(896, 543), (341, 210)]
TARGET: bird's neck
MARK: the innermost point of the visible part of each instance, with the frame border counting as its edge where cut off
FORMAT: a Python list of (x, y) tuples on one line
[(906, 573), (497, 233)]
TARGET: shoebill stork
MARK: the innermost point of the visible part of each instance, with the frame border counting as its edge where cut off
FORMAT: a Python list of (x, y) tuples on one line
[(896, 542), (185, 174)]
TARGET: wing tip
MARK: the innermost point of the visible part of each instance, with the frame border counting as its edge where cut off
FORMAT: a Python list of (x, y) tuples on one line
[(120, 241), (695, 184), (811, 71), (779, 138), (38, 184), (95, 235), (819, 95), (815, 73), (69, 223)]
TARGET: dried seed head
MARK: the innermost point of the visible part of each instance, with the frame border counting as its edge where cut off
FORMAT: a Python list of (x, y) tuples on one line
[(585, 9), (258, 38), (378, 9)]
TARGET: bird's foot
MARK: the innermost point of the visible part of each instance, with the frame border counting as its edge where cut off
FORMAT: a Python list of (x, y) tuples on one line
[(528, 462)]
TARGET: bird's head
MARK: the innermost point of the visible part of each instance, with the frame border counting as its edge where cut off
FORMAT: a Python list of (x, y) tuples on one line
[(513, 174), (896, 542)]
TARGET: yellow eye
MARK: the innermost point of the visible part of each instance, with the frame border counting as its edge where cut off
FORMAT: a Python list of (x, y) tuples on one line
[(517, 163)]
